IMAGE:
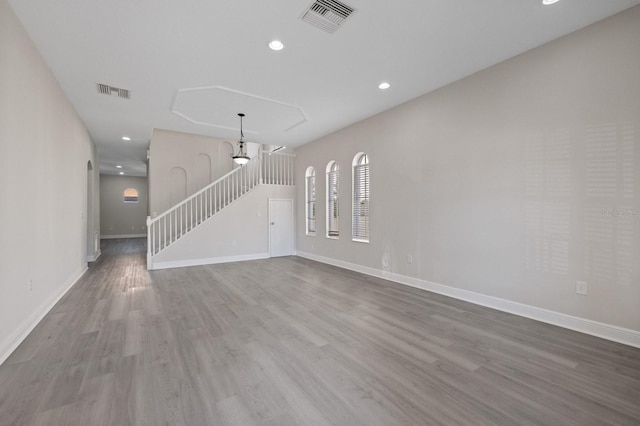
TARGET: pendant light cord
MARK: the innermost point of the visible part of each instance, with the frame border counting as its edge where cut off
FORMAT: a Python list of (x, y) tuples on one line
[(241, 132)]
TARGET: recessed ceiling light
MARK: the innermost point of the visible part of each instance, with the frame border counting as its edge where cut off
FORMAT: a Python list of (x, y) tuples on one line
[(276, 45), (384, 85), (118, 166), (121, 173), (126, 138), (548, 2)]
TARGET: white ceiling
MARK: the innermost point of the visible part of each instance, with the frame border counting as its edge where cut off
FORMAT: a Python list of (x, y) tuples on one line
[(161, 49)]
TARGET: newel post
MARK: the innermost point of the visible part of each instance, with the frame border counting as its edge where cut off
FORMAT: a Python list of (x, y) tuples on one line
[(149, 245), (260, 157)]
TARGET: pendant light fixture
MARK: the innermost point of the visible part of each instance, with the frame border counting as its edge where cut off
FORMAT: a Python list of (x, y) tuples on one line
[(241, 157)]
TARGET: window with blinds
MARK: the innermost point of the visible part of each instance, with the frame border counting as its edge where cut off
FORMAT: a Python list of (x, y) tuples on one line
[(333, 208), (310, 191), (130, 195), (360, 208)]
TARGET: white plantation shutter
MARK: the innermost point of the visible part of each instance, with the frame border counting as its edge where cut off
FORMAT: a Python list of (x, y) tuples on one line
[(360, 208), (333, 211), (311, 203)]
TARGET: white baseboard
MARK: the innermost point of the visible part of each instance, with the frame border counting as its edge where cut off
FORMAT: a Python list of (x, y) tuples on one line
[(207, 261), (94, 257), (117, 237), (586, 326), (13, 340)]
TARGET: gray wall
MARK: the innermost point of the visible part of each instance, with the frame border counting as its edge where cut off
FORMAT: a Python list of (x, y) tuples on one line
[(240, 231), (49, 213), (180, 164), (502, 184), (117, 218)]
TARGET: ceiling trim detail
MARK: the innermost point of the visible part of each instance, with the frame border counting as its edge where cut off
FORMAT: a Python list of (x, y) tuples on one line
[(190, 102)]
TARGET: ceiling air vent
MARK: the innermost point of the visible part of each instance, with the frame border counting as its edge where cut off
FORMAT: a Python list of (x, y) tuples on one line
[(327, 15), (105, 89)]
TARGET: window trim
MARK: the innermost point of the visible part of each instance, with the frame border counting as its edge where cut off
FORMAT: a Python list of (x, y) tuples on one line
[(333, 206), (360, 162), (310, 180)]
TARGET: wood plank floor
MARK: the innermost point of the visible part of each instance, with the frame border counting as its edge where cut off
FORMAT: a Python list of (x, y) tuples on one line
[(288, 341)]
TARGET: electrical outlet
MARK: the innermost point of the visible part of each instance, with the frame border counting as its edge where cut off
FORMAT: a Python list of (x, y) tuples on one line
[(30, 283), (581, 288), (409, 259)]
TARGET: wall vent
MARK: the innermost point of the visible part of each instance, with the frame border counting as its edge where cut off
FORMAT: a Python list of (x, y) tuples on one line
[(327, 15), (105, 89)]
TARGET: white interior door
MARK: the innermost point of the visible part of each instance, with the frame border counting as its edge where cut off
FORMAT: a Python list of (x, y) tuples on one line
[(280, 227)]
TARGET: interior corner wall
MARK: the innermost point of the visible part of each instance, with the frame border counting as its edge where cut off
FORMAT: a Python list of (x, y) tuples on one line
[(513, 183), (170, 151), (45, 157), (117, 218), (239, 231)]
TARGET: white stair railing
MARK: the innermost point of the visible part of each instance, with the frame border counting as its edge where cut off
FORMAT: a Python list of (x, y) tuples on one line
[(166, 228), (277, 169)]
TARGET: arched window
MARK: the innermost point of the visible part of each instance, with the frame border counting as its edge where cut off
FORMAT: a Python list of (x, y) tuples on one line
[(310, 198), (130, 195), (360, 207), (333, 210)]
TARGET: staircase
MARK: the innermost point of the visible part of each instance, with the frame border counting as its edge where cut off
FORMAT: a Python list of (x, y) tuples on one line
[(183, 218)]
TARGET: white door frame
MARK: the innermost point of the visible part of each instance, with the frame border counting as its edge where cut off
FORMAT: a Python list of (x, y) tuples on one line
[(292, 242)]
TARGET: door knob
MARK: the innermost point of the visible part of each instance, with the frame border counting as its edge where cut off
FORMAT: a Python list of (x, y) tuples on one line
[(273, 223)]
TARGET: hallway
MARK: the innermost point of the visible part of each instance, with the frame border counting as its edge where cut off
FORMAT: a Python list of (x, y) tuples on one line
[(289, 341)]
